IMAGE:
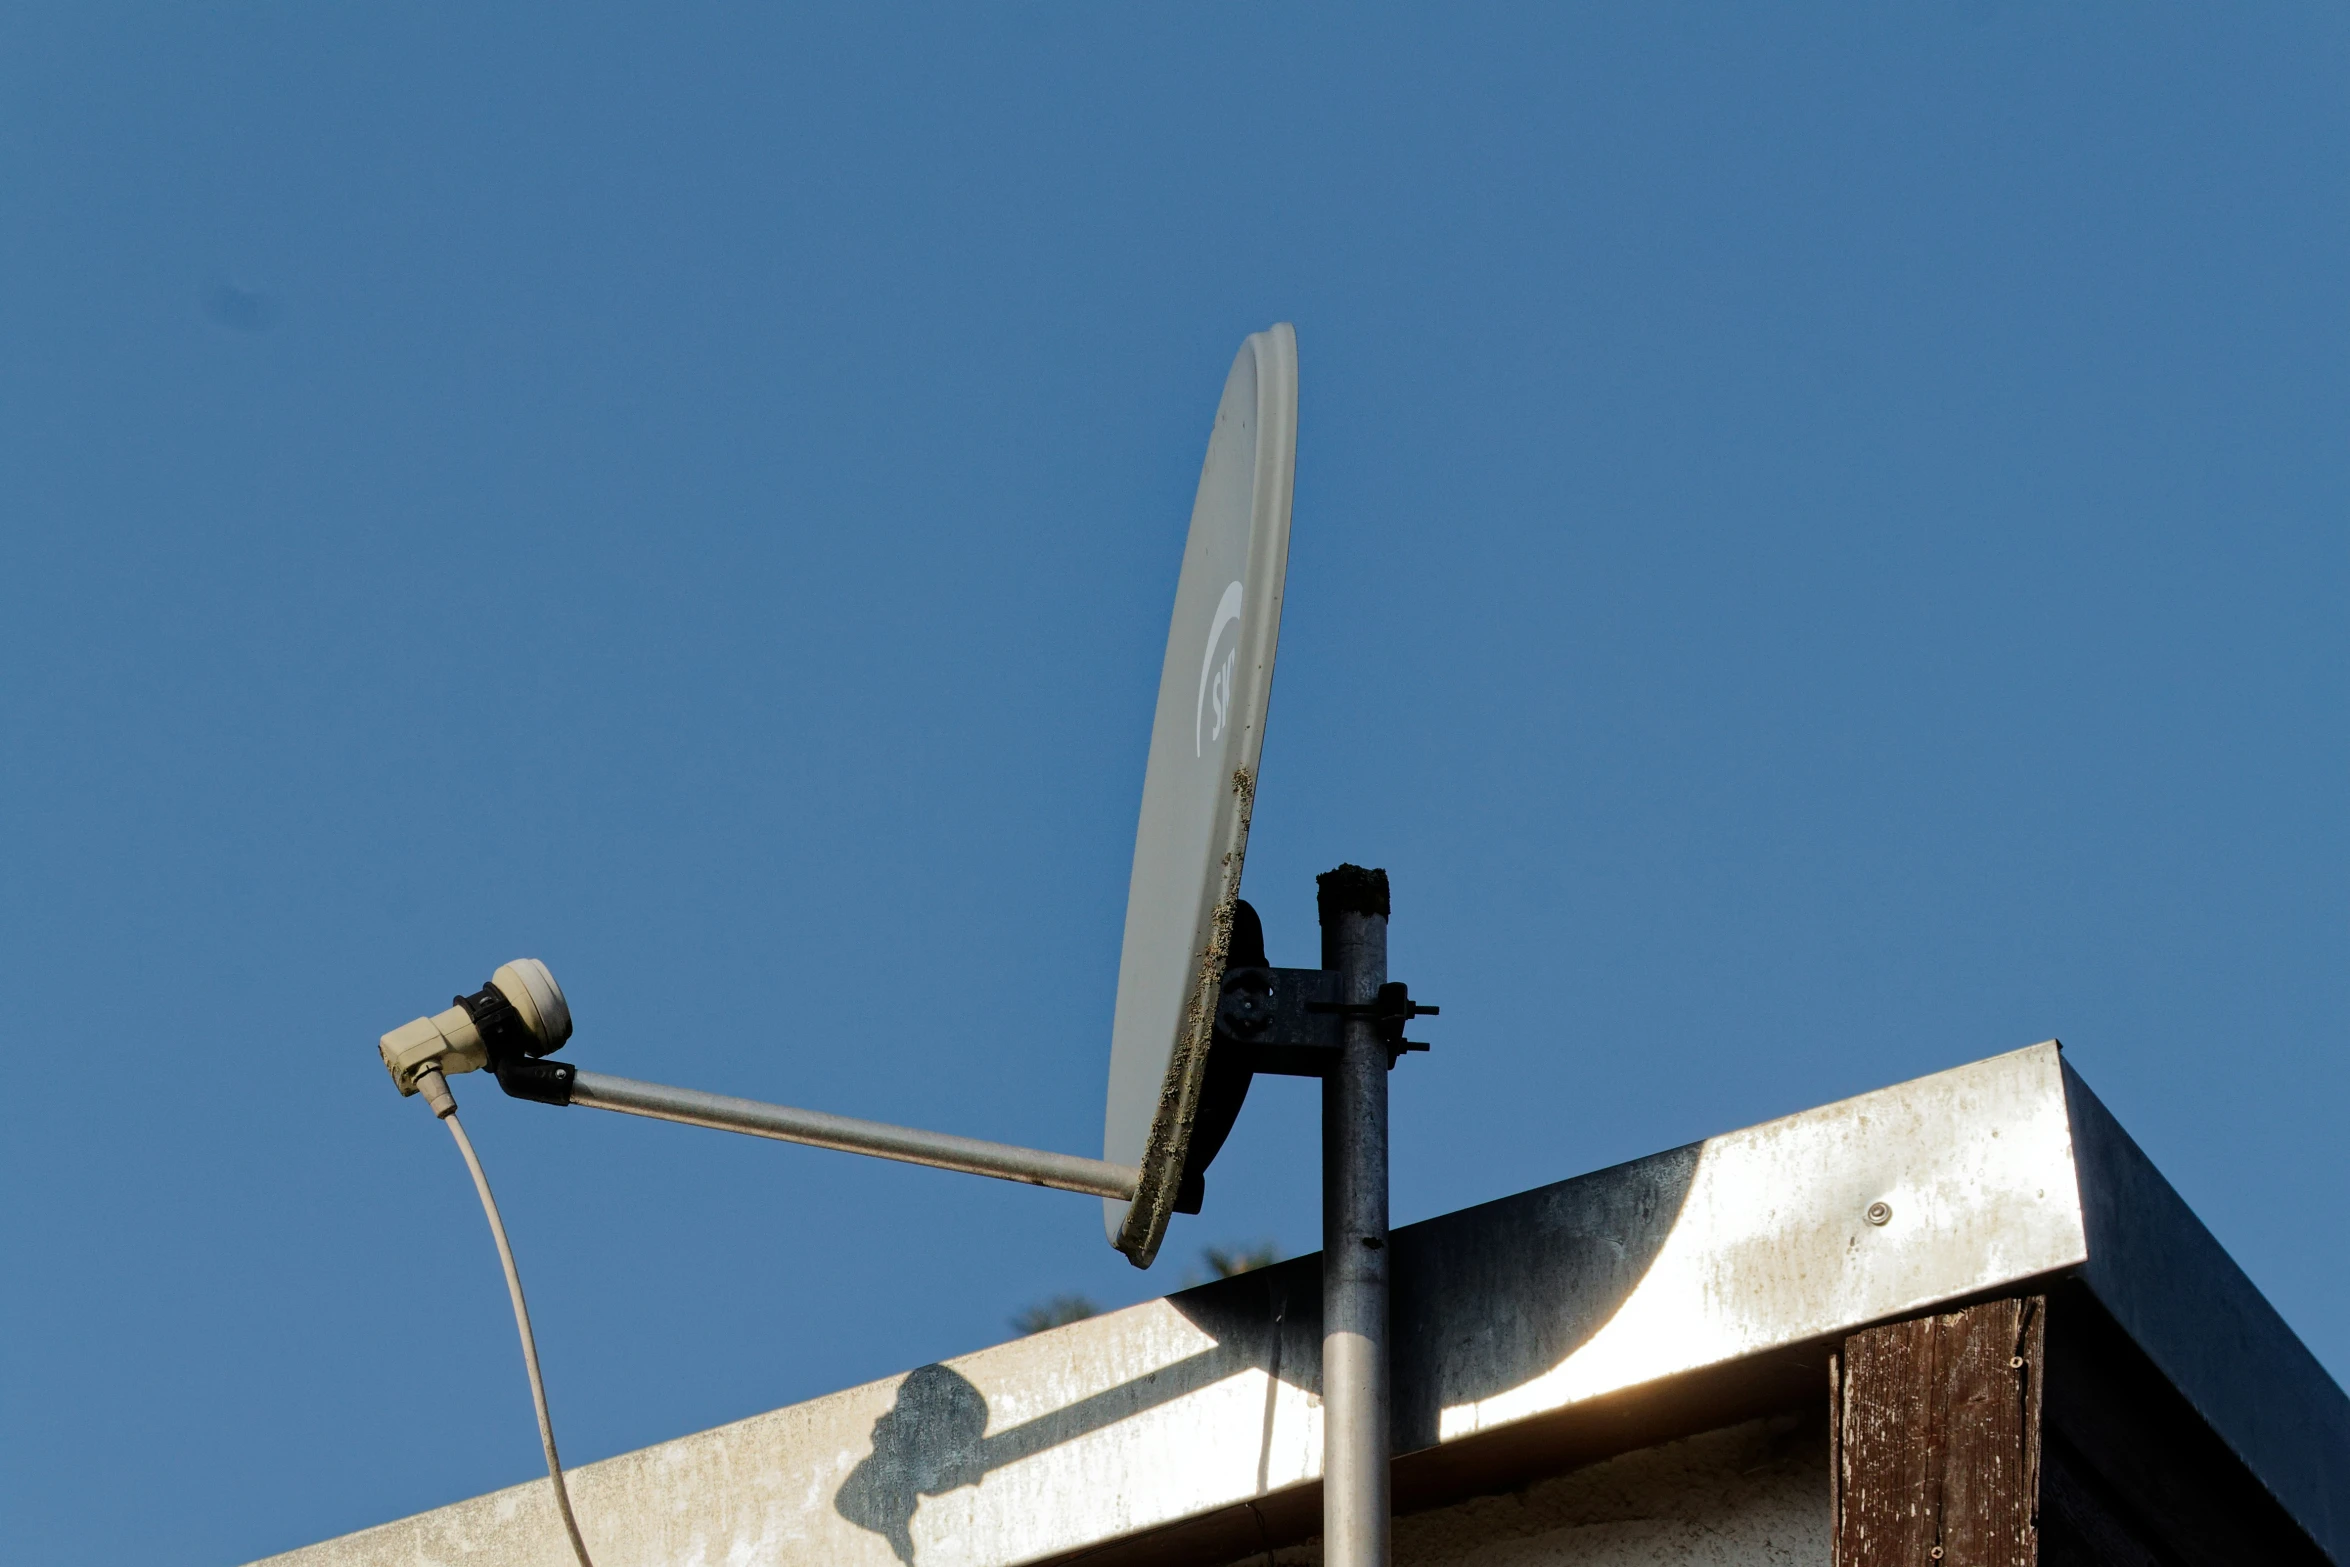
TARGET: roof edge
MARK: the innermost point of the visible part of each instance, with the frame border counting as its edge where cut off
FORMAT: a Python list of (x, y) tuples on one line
[(2173, 1288)]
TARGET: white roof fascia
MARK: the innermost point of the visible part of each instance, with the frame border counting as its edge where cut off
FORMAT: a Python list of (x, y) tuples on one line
[(1513, 1312)]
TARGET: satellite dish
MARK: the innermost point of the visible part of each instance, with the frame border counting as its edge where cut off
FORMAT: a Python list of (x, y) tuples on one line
[(1200, 786)]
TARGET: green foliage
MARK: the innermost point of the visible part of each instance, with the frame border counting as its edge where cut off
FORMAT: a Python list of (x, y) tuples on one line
[(1058, 1312), (1223, 1263)]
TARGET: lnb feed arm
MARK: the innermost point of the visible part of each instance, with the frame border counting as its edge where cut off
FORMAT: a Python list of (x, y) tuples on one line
[(520, 1016)]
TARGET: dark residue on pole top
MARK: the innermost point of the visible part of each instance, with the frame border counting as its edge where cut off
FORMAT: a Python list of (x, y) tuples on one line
[(1350, 889)]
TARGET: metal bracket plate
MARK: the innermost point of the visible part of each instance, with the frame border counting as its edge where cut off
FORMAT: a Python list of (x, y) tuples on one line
[(1281, 1019), (1290, 1022)]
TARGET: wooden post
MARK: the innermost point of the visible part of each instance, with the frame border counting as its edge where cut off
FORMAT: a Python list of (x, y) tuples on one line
[(1935, 1425)]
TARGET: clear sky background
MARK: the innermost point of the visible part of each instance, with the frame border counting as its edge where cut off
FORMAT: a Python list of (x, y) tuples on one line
[(1819, 556)]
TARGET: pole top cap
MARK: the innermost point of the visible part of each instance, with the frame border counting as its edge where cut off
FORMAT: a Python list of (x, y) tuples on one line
[(1350, 889)]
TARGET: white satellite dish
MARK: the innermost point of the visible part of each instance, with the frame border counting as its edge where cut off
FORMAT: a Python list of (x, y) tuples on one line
[(1342, 1023), (1200, 786)]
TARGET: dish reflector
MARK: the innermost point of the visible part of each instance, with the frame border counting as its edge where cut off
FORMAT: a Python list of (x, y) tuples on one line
[(1201, 783)]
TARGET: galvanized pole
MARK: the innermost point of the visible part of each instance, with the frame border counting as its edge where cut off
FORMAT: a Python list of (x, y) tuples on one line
[(1355, 1502)]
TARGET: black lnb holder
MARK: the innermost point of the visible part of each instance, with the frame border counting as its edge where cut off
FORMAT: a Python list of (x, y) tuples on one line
[(515, 1051)]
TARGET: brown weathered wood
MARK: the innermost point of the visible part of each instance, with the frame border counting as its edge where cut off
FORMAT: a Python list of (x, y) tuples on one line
[(1936, 1426)]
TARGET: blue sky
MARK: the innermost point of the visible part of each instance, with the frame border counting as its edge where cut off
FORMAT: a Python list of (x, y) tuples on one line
[(1819, 556)]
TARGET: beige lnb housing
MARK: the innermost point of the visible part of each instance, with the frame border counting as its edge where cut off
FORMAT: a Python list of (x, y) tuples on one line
[(449, 1041)]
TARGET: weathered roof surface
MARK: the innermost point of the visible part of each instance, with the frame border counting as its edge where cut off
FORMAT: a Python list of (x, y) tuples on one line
[(1692, 1288)]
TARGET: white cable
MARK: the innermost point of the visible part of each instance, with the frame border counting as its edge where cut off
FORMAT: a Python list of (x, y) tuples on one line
[(530, 1349)]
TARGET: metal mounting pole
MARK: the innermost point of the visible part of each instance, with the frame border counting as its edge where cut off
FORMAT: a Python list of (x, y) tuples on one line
[(1355, 1501)]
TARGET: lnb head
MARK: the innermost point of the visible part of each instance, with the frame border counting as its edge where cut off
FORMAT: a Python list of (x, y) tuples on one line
[(520, 1013)]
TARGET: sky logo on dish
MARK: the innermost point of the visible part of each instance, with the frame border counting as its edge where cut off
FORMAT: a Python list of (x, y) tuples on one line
[(1220, 687)]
